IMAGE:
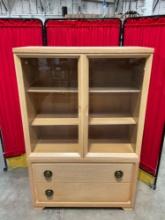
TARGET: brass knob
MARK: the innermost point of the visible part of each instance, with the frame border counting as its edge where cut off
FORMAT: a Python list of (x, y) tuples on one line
[(49, 192), (118, 174), (48, 174)]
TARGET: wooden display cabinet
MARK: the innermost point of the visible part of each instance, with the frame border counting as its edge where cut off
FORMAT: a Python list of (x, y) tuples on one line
[(83, 115)]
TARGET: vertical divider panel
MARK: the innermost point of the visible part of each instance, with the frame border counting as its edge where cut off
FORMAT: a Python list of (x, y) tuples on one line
[(83, 84)]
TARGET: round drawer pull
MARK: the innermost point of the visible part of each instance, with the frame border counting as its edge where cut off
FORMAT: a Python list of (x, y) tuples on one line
[(49, 192), (118, 174), (48, 174)]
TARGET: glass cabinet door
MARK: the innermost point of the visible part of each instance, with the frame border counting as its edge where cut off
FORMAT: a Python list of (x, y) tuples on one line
[(114, 93), (83, 104), (51, 87)]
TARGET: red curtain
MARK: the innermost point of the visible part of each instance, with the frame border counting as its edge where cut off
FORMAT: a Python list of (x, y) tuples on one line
[(83, 32), (13, 33), (151, 32)]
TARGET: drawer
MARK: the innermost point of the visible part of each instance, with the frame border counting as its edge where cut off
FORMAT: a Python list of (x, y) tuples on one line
[(80, 172), (83, 192)]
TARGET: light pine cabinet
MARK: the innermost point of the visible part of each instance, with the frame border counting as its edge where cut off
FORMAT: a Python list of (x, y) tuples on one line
[(83, 113)]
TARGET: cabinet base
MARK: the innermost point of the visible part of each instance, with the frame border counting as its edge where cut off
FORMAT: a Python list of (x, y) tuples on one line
[(124, 206)]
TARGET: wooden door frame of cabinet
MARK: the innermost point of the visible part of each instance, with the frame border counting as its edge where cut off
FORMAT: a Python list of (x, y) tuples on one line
[(83, 83), (83, 70), (23, 104)]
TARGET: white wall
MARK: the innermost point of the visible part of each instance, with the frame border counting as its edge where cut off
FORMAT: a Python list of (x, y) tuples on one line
[(160, 9), (52, 8)]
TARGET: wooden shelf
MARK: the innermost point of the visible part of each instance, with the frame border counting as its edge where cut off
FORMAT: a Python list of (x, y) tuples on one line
[(57, 146), (114, 90), (71, 119), (52, 90), (55, 119), (105, 119)]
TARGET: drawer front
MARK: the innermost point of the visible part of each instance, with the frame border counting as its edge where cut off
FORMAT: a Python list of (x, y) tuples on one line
[(83, 192), (78, 172)]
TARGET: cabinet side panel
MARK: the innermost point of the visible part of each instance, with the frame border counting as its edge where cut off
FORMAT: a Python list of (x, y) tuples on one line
[(134, 184), (144, 95), (22, 100)]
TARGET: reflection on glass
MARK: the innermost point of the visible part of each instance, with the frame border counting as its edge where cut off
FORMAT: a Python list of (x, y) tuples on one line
[(120, 73), (50, 72)]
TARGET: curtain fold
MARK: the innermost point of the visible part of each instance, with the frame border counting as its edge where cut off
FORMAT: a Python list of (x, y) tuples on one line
[(13, 33), (83, 32), (151, 32)]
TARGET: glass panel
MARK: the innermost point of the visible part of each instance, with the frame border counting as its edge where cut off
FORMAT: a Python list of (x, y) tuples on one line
[(114, 96), (54, 103), (50, 72), (111, 72), (112, 133), (51, 86), (62, 133), (121, 104), (112, 138), (54, 138)]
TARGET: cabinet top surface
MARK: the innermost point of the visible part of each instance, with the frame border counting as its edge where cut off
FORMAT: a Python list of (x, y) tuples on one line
[(80, 50)]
